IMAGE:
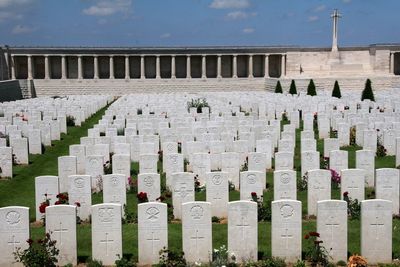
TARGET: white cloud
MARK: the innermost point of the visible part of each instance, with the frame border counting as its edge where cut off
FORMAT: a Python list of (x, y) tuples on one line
[(8, 15), (313, 18), (20, 29), (165, 35), (248, 30), (239, 15), (9, 3), (320, 8), (224, 4), (109, 7)]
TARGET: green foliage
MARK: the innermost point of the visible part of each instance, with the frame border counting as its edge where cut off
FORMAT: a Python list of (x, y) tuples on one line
[(124, 262), (317, 253), (263, 210), (336, 90), (293, 89), (169, 258), (341, 263), (278, 88), (220, 257), (270, 262), (311, 88), (93, 263), (302, 182), (70, 121), (367, 93), (215, 219), (353, 206), (198, 103), (43, 252), (300, 263)]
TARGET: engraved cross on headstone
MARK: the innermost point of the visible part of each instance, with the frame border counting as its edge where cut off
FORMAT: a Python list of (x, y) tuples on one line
[(13, 243), (152, 240), (243, 225), (60, 230), (196, 238), (287, 236), (332, 226), (377, 225), (106, 241)]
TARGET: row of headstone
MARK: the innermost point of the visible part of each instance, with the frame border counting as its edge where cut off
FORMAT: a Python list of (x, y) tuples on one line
[(286, 229)]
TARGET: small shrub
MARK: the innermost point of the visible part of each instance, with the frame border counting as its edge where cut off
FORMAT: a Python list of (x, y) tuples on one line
[(302, 182), (232, 185), (130, 216), (300, 263), (197, 186), (264, 211), (169, 258), (124, 262), (293, 89), (220, 257), (341, 263), (335, 179), (367, 93), (142, 197), (353, 206), (278, 88), (43, 252), (198, 103), (107, 167), (336, 90), (70, 121), (215, 219), (380, 149), (270, 262), (285, 118), (93, 263), (316, 254), (311, 88)]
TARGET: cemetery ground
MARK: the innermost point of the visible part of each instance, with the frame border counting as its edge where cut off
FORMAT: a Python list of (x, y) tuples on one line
[(19, 191)]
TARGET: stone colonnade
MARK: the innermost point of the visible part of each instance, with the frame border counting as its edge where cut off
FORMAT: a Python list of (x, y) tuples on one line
[(127, 67)]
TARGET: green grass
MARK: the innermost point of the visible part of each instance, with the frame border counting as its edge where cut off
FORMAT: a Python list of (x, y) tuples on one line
[(20, 191)]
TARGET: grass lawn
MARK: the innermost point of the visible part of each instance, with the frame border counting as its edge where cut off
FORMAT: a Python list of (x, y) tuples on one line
[(20, 191)]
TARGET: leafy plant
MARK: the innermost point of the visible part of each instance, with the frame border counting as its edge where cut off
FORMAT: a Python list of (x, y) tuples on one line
[(336, 90), (335, 179), (124, 262), (302, 182), (93, 263), (316, 254), (270, 262), (300, 263), (70, 121), (142, 197), (380, 149), (198, 103), (353, 206), (169, 258), (263, 210), (311, 88), (293, 89), (367, 93), (278, 88), (43, 252), (285, 118), (232, 185), (353, 136), (220, 257), (215, 219)]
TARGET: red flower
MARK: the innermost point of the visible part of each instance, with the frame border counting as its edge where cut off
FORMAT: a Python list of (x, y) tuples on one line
[(306, 237), (58, 202), (42, 207), (29, 241), (253, 194), (345, 194), (77, 204), (314, 234)]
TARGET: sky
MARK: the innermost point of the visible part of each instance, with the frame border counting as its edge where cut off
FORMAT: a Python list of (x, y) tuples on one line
[(126, 23)]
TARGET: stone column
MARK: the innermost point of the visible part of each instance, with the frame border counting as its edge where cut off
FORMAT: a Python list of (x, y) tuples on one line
[(127, 68), (234, 67), (30, 76), (283, 66), (188, 68), (96, 67), (111, 67), (80, 76), (142, 70), (266, 66), (46, 67), (13, 76), (251, 66), (219, 66), (63, 67), (173, 67), (203, 67), (391, 63), (158, 75)]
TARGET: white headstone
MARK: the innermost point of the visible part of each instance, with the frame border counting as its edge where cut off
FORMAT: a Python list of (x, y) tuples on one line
[(46, 187), (6, 163), (286, 230), (243, 230), (318, 188), (387, 186), (201, 164), (365, 160), (61, 225), (152, 231), (309, 161), (338, 160), (217, 193), (285, 185), (329, 145), (376, 231), (230, 164), (106, 233), (94, 167), (353, 182), (80, 191), (332, 227), (150, 184), (148, 163), (121, 164), (14, 232), (251, 181), (284, 161), (79, 151), (114, 189), (197, 232), (66, 167), (182, 191)]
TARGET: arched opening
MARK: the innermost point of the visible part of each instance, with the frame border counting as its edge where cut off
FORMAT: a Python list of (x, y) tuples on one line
[(275, 65), (396, 64)]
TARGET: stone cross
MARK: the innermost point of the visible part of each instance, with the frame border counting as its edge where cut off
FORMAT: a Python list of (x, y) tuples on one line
[(60, 230), (106, 241), (335, 17), (13, 243), (152, 240)]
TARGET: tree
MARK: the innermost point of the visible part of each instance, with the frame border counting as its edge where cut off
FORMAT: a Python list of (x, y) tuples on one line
[(293, 90), (336, 90), (278, 88), (311, 88), (367, 93)]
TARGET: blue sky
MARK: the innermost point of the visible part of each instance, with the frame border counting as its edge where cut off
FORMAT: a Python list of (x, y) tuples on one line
[(196, 22)]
